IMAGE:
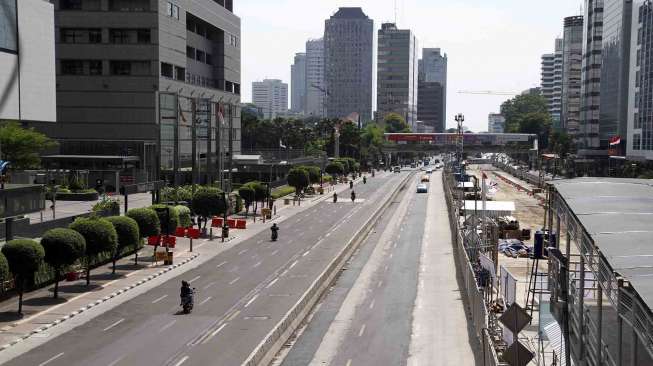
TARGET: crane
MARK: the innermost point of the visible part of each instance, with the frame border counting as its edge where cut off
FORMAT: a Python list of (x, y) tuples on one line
[(487, 92)]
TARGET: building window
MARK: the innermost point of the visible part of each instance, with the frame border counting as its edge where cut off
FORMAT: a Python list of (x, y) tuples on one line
[(200, 56), (72, 67), (180, 73), (70, 5), (143, 36), (95, 67), (236, 88), (233, 40), (637, 142), (140, 68), (190, 52), (166, 70), (120, 68), (173, 10), (94, 36), (72, 35), (129, 5), (119, 36), (209, 59)]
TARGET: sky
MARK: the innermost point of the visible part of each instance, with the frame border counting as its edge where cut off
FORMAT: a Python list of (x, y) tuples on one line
[(491, 45)]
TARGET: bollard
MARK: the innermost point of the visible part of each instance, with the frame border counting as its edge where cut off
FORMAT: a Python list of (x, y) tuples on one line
[(211, 234), (275, 210)]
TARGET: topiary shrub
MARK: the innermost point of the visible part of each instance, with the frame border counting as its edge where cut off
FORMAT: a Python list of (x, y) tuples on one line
[(173, 218), (184, 216), (298, 178), (248, 195), (63, 247), (24, 257), (101, 237), (128, 235), (147, 220), (4, 268), (209, 202)]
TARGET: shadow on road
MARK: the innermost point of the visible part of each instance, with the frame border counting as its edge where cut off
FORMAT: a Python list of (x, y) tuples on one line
[(78, 288), (10, 316), (44, 301)]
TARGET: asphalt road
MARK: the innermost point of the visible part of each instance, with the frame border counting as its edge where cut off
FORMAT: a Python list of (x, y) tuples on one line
[(398, 302), (241, 294)]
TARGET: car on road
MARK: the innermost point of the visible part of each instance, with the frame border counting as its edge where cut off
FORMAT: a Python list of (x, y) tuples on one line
[(429, 171), (413, 165), (396, 169), (422, 188), (425, 179)]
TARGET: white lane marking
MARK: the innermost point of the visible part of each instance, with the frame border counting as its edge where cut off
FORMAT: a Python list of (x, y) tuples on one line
[(205, 300), (221, 264), (215, 332), (327, 234), (290, 241), (208, 285), (394, 245), (272, 283), (159, 299), (275, 252), (293, 264), (283, 273), (183, 359), (51, 359), (242, 251), (199, 246), (167, 326), (362, 331), (257, 264), (386, 268), (306, 253), (113, 325), (372, 304), (259, 242), (380, 283), (194, 279), (234, 280), (251, 300), (391, 255), (114, 363), (348, 362)]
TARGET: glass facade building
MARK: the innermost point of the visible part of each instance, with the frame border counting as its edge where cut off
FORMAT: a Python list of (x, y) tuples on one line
[(572, 56), (591, 75), (640, 124)]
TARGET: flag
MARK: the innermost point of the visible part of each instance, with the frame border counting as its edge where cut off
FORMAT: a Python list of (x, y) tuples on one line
[(221, 114), (281, 144), (615, 140)]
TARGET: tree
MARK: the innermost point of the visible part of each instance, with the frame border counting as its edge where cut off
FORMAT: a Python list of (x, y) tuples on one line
[(63, 247), (298, 178), (24, 257), (314, 173), (394, 123), (128, 235), (172, 216), (350, 138), (528, 114), (208, 202), (247, 193), (4, 268), (371, 142), (100, 236), (148, 224), (184, 215), (335, 168), (21, 146), (561, 143), (260, 193)]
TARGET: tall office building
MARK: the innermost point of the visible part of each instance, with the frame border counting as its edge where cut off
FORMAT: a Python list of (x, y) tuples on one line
[(271, 95), (315, 83), (590, 88), (298, 83), (640, 109), (572, 56), (552, 81), (123, 64), (397, 77), (496, 123), (27, 70), (432, 90), (348, 49)]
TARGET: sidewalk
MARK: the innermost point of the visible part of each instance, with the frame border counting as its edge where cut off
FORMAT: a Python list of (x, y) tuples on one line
[(42, 312)]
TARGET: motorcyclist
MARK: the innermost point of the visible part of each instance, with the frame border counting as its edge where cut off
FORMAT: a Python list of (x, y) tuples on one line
[(185, 291), (275, 231), (353, 196), (335, 197), (351, 184), (364, 180)]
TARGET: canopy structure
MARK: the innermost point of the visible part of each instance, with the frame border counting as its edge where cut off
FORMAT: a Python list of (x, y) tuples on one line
[(492, 208)]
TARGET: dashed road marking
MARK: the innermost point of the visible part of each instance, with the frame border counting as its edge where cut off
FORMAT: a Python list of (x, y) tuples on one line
[(348, 362), (183, 359), (234, 280), (275, 252), (194, 279), (221, 264), (272, 283), (215, 332), (51, 359), (362, 331), (372, 304), (159, 299), (257, 264), (167, 326), (251, 300), (306, 253), (233, 315), (208, 285), (113, 325), (379, 284), (243, 251), (293, 264), (205, 300)]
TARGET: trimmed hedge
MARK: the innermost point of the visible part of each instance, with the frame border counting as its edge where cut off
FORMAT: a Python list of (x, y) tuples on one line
[(4, 268), (184, 215), (173, 218), (209, 202), (82, 196), (63, 247), (24, 257), (128, 236), (147, 220), (101, 237), (282, 191)]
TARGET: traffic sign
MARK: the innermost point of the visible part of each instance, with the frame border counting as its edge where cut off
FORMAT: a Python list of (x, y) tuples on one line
[(515, 318), (517, 355)]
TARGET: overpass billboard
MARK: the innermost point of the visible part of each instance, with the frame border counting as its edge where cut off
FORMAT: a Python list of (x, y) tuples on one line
[(469, 139)]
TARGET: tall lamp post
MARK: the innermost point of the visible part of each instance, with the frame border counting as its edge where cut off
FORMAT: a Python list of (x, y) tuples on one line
[(460, 118)]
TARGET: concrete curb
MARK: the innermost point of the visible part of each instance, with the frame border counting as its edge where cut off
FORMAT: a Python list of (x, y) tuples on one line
[(97, 302), (274, 340)]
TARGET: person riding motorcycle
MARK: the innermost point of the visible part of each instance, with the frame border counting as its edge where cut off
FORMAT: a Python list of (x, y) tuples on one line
[(364, 180), (351, 184), (353, 196), (275, 231)]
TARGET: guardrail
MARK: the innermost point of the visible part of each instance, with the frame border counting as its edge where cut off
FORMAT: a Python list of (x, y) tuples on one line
[(475, 297), (268, 348)]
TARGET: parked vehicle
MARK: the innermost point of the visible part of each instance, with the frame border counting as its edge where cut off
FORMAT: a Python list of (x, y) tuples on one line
[(397, 169), (422, 188)]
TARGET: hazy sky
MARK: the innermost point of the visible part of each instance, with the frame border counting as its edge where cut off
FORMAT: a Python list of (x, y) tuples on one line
[(491, 45)]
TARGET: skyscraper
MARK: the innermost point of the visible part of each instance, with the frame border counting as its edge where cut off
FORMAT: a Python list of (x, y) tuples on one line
[(271, 95), (552, 82), (496, 123), (315, 83), (348, 49), (432, 90), (397, 77), (298, 83), (572, 56), (591, 76)]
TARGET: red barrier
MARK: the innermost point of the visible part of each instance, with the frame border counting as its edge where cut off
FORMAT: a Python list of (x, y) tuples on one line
[(193, 233), (216, 222), (231, 222), (169, 241), (180, 232), (153, 240), (241, 224)]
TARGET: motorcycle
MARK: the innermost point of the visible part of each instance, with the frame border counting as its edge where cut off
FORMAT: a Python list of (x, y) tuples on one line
[(351, 184), (187, 302), (275, 232), (364, 180)]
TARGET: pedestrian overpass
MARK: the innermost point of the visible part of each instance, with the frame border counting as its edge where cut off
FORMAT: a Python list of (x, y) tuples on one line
[(449, 142)]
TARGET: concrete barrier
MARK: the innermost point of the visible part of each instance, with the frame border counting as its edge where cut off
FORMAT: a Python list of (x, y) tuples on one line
[(277, 337)]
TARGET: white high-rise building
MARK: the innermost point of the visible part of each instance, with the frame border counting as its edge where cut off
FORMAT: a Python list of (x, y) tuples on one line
[(552, 81), (271, 95), (496, 123), (298, 84), (315, 85), (397, 73)]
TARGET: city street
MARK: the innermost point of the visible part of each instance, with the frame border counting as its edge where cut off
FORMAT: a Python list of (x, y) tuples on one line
[(399, 299), (241, 294)]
